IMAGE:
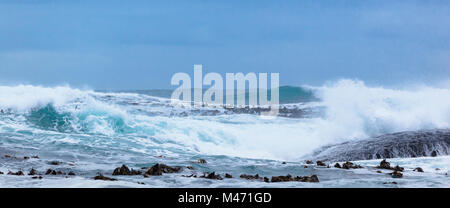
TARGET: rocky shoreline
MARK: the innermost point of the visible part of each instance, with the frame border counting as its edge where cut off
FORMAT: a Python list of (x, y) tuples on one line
[(160, 169)]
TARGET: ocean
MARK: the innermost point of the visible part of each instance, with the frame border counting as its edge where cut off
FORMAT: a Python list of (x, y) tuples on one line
[(89, 132)]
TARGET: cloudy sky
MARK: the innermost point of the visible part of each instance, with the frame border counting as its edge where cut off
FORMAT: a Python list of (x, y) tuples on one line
[(113, 44)]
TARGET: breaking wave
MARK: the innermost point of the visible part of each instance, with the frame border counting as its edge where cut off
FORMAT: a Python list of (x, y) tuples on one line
[(138, 121)]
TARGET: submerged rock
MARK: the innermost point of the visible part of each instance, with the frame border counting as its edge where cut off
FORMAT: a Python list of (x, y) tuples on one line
[(104, 178), (397, 145), (396, 174), (189, 176), (159, 169), (228, 175), (55, 163), (393, 182)]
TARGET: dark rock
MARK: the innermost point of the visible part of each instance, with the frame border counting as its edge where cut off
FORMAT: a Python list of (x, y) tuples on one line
[(26, 158), (434, 153), (104, 178), (190, 167), (55, 163), (347, 165), (396, 145), (418, 169), (337, 165), (212, 176), (228, 175), (251, 177), (141, 183), (379, 171), (202, 161), (124, 170), (1, 173), (36, 177), (50, 172), (320, 163), (276, 179), (53, 172), (266, 180), (71, 173), (159, 169), (398, 168), (35, 157), (396, 174), (32, 172), (309, 162), (18, 173), (350, 165), (393, 182), (384, 165), (284, 163), (312, 179)]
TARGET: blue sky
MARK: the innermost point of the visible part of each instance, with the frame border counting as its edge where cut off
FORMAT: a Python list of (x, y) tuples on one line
[(139, 44)]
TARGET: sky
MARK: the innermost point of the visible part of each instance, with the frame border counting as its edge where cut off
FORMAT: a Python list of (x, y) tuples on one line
[(113, 44)]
